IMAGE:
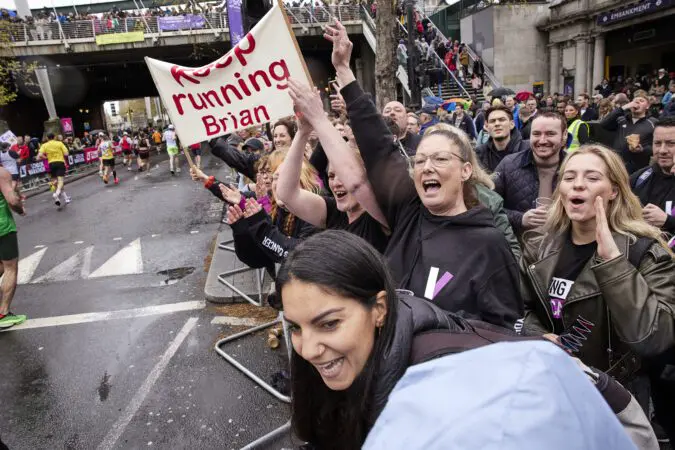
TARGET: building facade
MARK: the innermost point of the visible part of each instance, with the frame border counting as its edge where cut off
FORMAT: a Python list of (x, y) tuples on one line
[(589, 40)]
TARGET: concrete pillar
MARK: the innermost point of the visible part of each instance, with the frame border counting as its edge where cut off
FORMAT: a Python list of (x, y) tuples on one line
[(580, 69), (589, 68), (554, 68), (359, 71), (599, 60), (148, 110)]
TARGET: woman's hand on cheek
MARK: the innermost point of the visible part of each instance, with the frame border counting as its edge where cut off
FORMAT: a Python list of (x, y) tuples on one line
[(607, 248)]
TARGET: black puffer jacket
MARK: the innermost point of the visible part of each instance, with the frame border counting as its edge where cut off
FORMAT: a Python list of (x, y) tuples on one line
[(414, 316), (490, 157), (517, 181)]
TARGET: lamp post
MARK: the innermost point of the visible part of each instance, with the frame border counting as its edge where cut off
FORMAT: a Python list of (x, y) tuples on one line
[(412, 55)]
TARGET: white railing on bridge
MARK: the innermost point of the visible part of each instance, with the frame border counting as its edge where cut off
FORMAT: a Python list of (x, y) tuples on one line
[(41, 31)]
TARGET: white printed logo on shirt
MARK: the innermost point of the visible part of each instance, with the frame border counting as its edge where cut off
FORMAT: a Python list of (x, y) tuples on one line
[(558, 292)]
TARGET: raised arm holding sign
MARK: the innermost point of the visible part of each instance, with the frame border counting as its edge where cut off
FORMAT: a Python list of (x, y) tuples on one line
[(244, 88)]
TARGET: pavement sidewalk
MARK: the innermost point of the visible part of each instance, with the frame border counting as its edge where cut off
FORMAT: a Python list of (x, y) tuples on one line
[(224, 260)]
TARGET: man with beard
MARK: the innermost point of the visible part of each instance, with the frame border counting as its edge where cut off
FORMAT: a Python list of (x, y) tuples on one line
[(655, 185), (397, 112), (526, 180), (504, 138), (633, 131)]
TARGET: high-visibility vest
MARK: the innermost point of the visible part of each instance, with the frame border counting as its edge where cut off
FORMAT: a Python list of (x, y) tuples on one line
[(573, 135)]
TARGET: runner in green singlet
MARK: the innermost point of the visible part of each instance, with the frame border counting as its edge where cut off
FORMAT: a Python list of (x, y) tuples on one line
[(9, 248)]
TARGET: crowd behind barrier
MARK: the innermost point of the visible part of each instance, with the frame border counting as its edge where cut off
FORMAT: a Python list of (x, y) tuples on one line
[(47, 26)]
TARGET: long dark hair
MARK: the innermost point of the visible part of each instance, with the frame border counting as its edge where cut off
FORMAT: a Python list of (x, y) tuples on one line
[(344, 264)]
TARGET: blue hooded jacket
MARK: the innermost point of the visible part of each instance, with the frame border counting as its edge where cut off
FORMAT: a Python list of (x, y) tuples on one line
[(507, 396)]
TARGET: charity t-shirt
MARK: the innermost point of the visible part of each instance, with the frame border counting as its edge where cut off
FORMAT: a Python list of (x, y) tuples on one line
[(55, 151), (365, 226), (572, 260), (106, 150), (157, 137), (170, 138)]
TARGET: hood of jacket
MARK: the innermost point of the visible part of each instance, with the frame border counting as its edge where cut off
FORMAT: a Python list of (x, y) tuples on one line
[(538, 398), (414, 315), (474, 217)]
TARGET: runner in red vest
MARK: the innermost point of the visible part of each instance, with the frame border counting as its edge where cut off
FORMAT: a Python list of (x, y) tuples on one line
[(126, 144), (197, 153)]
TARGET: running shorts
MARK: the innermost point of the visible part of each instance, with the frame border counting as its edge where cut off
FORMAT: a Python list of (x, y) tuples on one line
[(9, 247), (197, 152), (108, 162), (15, 177), (172, 150), (144, 154), (57, 169), (126, 152)]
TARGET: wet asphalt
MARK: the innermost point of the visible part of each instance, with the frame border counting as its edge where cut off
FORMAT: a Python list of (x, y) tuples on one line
[(84, 379)]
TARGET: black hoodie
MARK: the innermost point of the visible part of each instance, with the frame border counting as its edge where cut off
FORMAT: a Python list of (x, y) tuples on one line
[(490, 157), (463, 263)]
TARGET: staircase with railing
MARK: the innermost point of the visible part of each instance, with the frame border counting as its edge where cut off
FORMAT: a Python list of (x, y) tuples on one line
[(451, 87), (489, 76)]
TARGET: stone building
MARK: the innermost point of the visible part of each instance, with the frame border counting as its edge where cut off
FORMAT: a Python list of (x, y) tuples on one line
[(589, 40)]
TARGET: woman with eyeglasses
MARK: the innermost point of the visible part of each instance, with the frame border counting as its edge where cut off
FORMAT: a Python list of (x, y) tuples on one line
[(444, 245)]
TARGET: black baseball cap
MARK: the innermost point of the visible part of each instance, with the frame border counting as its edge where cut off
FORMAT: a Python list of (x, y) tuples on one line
[(254, 144)]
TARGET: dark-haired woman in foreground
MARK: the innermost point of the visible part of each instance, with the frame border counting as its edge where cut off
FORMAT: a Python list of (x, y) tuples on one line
[(354, 337)]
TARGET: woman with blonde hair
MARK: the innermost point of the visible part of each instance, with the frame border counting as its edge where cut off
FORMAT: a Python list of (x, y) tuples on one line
[(596, 274), (352, 205), (484, 191)]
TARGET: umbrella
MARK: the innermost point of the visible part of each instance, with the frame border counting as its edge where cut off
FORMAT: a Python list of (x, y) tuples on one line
[(500, 92), (523, 95), (456, 100)]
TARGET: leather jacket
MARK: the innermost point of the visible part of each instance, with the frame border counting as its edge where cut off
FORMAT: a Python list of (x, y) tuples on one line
[(632, 310)]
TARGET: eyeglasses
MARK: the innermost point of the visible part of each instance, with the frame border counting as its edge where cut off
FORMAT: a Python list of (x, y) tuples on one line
[(439, 160)]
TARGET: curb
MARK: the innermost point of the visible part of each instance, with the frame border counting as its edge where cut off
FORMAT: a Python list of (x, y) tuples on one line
[(222, 261)]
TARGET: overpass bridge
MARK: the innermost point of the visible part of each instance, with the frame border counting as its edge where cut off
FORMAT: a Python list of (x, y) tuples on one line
[(140, 32), (90, 62)]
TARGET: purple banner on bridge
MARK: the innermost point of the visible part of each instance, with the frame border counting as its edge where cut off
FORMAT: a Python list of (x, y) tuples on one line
[(186, 22), (234, 21)]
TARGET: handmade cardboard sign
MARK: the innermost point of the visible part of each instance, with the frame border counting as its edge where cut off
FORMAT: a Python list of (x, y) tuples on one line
[(246, 87)]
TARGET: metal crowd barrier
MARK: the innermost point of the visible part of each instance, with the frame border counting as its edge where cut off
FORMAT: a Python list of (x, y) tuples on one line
[(259, 277)]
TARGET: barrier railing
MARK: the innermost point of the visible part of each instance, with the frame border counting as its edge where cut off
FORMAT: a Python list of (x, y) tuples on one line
[(152, 26)]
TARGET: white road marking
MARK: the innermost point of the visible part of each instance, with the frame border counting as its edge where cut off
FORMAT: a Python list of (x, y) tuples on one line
[(155, 235), (39, 246), (127, 261), (234, 321), (138, 399), (117, 239), (78, 242), (194, 231), (74, 319), (28, 265), (68, 269)]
